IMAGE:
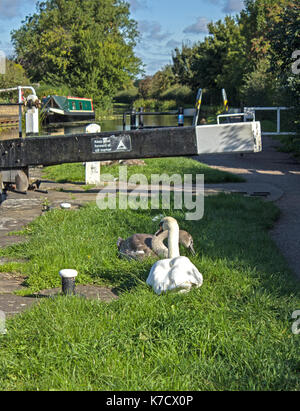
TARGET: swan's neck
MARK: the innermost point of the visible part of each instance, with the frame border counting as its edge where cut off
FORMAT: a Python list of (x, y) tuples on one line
[(173, 241)]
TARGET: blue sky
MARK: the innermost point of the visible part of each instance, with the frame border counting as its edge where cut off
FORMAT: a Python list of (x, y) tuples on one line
[(163, 24)]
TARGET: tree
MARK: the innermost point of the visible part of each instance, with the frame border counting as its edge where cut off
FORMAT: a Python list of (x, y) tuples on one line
[(161, 81), (260, 85), (219, 61), (254, 21), (86, 45), (145, 87), (14, 76), (284, 37), (182, 64)]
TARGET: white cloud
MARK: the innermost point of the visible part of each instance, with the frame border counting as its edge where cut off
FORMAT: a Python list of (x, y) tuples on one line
[(232, 6), (152, 30), (173, 44), (138, 4), (10, 9), (154, 65), (199, 27), (228, 6)]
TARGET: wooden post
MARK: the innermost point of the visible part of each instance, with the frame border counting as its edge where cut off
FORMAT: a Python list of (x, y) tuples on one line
[(20, 110), (92, 169)]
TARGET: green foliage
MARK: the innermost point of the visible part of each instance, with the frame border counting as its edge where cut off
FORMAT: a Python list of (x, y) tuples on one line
[(220, 60), (149, 104), (181, 94), (215, 63), (283, 35), (261, 85), (152, 104), (14, 76), (249, 56), (162, 81), (154, 86), (85, 45), (255, 22), (126, 96), (167, 105), (182, 64), (169, 99), (53, 89)]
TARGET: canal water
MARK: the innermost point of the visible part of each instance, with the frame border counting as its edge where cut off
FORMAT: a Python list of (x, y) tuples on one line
[(116, 124)]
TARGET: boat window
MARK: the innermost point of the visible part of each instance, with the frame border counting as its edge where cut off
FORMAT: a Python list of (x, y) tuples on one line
[(73, 105), (80, 105)]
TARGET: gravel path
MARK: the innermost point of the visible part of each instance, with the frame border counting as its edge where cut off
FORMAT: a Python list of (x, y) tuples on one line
[(277, 169)]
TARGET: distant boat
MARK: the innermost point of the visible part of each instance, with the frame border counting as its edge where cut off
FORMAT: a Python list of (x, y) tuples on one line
[(60, 109)]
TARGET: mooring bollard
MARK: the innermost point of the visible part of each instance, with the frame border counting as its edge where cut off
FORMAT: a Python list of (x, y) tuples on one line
[(92, 168), (68, 281), (141, 118), (133, 120), (180, 117)]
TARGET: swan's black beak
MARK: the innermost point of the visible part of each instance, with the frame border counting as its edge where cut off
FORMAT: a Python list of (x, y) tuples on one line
[(191, 247)]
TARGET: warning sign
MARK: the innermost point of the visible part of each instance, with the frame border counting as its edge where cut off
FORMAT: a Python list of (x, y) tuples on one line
[(112, 144)]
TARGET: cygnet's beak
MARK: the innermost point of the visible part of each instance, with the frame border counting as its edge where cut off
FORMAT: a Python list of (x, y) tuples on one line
[(160, 229), (191, 247)]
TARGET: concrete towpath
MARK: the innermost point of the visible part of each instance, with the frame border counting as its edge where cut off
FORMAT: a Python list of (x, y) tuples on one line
[(272, 175)]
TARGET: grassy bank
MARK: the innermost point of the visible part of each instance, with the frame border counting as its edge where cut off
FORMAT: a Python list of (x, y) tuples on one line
[(234, 333), (180, 165), (290, 144)]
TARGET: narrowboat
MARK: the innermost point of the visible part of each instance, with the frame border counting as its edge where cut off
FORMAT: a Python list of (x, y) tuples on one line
[(60, 109)]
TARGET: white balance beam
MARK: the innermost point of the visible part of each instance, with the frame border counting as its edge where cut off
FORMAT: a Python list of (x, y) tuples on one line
[(229, 138)]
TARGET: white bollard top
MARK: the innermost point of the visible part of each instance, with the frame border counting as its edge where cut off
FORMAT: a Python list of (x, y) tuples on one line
[(93, 128), (68, 273), (65, 205)]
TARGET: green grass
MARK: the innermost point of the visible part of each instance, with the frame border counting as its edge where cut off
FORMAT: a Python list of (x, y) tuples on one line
[(75, 173), (234, 333), (290, 144)]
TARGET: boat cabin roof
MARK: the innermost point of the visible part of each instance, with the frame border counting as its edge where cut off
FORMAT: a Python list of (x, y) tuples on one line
[(70, 104)]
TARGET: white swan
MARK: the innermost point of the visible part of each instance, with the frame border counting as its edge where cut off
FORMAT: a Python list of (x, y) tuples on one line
[(176, 272)]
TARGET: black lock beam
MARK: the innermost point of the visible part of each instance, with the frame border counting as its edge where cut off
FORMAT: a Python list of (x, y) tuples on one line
[(133, 144)]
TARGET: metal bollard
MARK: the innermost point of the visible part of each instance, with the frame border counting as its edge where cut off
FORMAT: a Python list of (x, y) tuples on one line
[(68, 281), (180, 117), (141, 117), (133, 120)]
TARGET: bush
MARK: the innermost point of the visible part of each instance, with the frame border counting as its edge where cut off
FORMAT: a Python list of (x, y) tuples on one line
[(153, 104), (167, 105), (126, 96), (181, 94), (148, 104), (46, 89)]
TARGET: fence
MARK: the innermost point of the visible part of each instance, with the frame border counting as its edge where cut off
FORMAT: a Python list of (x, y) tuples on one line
[(251, 111), (134, 115), (9, 121)]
